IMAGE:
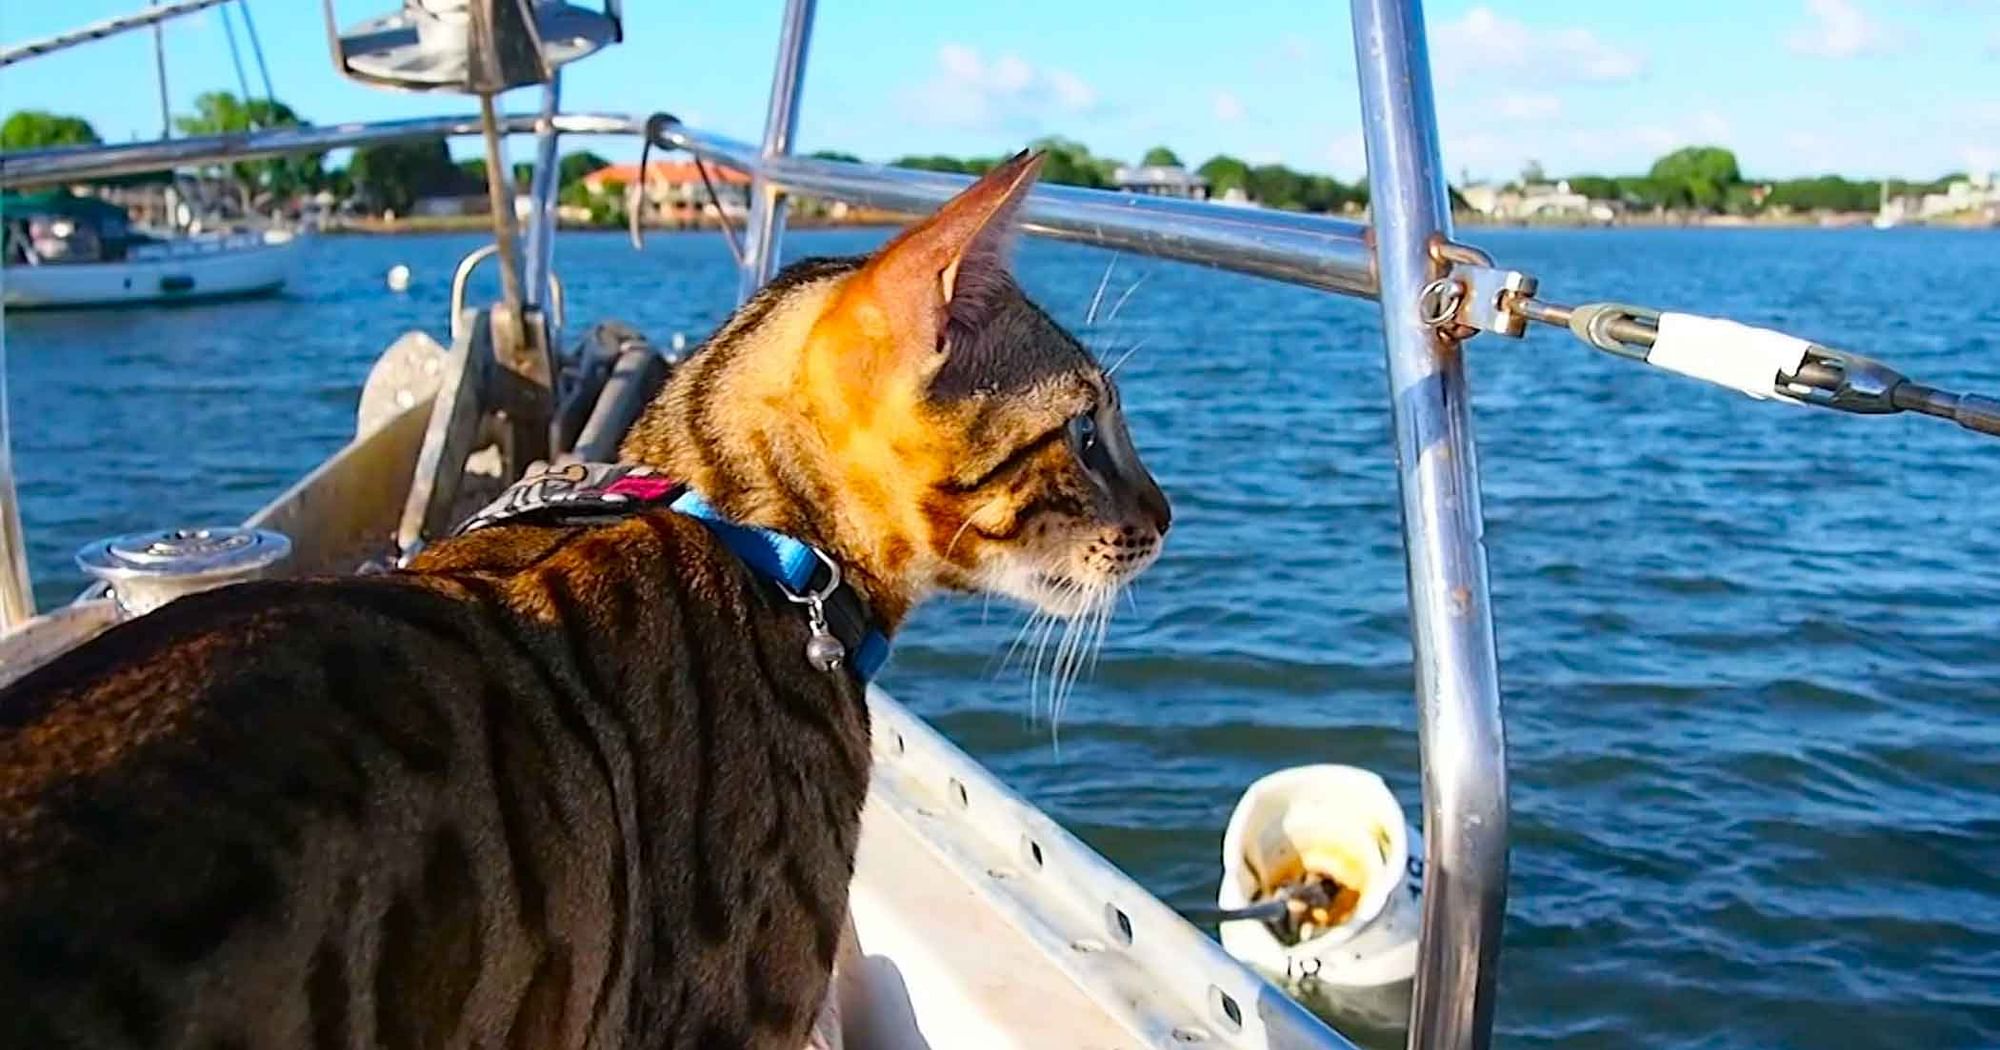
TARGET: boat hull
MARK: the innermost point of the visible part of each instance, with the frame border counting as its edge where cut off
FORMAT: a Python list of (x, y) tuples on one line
[(185, 274)]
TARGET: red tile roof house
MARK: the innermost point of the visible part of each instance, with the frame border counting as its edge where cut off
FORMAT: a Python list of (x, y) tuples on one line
[(673, 192)]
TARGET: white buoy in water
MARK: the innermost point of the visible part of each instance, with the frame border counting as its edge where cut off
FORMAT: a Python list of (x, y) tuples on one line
[(399, 278), (1351, 959)]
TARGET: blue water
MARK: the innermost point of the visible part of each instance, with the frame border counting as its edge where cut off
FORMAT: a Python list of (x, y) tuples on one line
[(1750, 652)]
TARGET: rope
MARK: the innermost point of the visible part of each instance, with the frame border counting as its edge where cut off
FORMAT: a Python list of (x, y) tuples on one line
[(235, 58), (656, 126), (257, 49)]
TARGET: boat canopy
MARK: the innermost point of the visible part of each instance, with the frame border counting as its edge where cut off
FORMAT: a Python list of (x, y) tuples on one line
[(60, 226)]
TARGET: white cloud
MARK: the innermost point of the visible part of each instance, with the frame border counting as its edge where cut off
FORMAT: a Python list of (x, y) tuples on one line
[(1071, 91), (1347, 154), (1297, 47), (1809, 151), (1228, 108), (1707, 128), (1528, 105), (1004, 93), (1839, 29), (1482, 42)]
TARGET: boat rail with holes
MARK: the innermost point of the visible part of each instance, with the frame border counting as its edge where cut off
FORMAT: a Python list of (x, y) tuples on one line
[(954, 834)]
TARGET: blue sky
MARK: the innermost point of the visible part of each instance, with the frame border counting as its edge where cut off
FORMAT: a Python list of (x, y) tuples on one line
[(1796, 87)]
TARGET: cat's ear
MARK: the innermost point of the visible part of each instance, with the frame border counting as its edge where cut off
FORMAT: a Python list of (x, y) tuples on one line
[(948, 272)]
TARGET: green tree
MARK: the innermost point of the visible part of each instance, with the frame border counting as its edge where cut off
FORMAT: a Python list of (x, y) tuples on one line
[(392, 176), (834, 154), (1224, 173), (1825, 193), (1596, 187), (1069, 163), (571, 169), (934, 162), (1644, 191), (474, 169), (1276, 186), (1160, 156), (40, 129), (222, 113), (608, 207), (1697, 176)]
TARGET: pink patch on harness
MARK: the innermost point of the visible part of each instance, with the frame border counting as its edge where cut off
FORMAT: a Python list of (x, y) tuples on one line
[(645, 489)]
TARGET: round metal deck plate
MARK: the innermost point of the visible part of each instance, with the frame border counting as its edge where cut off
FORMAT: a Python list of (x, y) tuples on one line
[(420, 52), (148, 569)]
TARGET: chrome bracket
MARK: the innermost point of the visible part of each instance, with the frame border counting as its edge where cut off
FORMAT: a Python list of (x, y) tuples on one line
[(1474, 295), (1490, 302)]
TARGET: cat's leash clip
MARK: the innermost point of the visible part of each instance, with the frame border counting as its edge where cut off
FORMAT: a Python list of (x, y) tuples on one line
[(823, 650)]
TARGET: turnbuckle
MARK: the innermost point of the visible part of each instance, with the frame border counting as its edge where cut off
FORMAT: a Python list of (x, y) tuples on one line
[(1852, 383), (1472, 295), (1849, 382)]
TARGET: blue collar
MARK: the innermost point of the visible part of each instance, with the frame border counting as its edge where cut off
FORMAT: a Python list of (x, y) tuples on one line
[(577, 493), (799, 569)]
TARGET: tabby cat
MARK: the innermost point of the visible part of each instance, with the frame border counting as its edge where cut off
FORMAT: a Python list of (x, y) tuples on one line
[(562, 785)]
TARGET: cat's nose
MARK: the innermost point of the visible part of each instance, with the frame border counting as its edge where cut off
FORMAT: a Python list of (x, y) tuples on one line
[(1153, 507)]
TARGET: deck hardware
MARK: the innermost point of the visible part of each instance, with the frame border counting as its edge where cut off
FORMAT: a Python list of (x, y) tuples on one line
[(1439, 302), (1491, 298), (1118, 924), (558, 302), (1474, 295), (149, 569), (1226, 1010), (1190, 1034)]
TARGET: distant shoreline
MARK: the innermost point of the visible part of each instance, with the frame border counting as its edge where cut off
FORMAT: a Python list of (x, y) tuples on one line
[(1473, 220), (482, 224), (1830, 221)]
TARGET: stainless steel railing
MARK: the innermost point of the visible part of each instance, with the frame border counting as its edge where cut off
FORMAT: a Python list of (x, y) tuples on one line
[(1456, 677), (1312, 250), (49, 167), (1437, 472)]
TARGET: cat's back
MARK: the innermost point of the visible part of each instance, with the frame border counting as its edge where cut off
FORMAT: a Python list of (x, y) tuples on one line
[(511, 799), (188, 801)]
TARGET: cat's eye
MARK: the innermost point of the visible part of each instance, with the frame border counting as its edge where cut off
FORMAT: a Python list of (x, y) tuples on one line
[(1083, 432)]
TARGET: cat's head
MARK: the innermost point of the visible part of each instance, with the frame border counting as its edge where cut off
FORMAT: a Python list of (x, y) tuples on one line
[(917, 415)]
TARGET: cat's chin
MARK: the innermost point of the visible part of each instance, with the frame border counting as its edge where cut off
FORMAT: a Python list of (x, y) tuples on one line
[(1056, 594)]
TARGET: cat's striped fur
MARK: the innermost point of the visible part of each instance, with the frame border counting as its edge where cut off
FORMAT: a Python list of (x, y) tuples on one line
[(560, 787)]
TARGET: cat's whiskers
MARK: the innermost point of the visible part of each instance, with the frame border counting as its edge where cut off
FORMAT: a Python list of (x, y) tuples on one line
[(1126, 356), (1090, 315), (1112, 317)]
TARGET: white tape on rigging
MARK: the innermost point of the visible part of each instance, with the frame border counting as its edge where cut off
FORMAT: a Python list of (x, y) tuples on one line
[(1739, 356)]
